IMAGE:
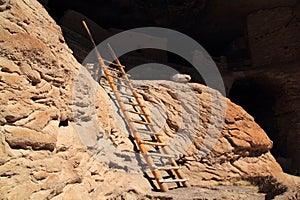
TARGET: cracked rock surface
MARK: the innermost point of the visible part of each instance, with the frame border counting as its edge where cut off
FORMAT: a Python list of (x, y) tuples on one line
[(44, 156)]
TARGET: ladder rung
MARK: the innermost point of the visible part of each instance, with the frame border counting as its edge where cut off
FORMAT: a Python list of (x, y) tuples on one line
[(122, 85), (131, 95), (154, 143), (135, 112), (141, 122), (167, 167), (149, 133), (113, 69), (112, 63), (134, 104), (125, 94), (161, 155), (172, 180), (119, 80), (116, 77)]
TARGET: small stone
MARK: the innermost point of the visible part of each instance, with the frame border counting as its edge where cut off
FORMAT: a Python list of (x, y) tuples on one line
[(40, 175)]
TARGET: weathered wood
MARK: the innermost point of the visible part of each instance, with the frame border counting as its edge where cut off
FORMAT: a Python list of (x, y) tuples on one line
[(126, 83)]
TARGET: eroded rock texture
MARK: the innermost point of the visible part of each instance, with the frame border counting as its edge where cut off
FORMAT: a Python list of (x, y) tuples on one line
[(258, 43), (275, 49), (198, 113), (42, 154)]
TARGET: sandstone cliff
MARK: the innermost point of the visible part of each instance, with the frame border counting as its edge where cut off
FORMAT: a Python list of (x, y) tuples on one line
[(47, 151), (257, 40)]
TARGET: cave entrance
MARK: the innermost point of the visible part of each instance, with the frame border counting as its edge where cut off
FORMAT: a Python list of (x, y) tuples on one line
[(259, 100)]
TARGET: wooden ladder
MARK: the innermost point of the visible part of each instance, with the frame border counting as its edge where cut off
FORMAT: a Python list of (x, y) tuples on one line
[(150, 129), (117, 78)]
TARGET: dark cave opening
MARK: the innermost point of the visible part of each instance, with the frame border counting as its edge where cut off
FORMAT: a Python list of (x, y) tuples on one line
[(64, 123), (153, 59), (259, 101), (176, 15)]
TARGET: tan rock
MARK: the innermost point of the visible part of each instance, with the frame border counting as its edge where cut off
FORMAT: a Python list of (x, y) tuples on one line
[(9, 66), (40, 175), (22, 191), (239, 143), (14, 80), (27, 138), (40, 160), (43, 194), (241, 149), (4, 150), (32, 75), (51, 180), (76, 192), (16, 111), (39, 119)]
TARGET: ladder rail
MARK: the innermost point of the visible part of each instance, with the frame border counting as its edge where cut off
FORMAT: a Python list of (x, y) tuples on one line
[(135, 133), (143, 109), (147, 116), (131, 123), (163, 186)]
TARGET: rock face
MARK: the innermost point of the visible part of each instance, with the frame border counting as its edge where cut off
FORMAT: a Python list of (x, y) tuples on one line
[(34, 78), (260, 49), (41, 154), (42, 151), (205, 20), (275, 54), (197, 112), (279, 33)]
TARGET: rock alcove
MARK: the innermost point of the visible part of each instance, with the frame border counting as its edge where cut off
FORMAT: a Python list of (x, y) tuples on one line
[(233, 33), (42, 156)]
